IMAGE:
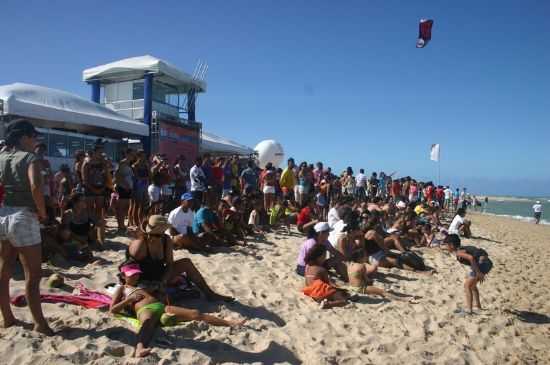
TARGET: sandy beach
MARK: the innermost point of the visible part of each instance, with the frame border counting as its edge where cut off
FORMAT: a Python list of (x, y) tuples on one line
[(287, 327)]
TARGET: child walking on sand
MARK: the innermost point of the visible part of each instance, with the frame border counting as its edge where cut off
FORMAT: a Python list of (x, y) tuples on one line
[(150, 311), (480, 264)]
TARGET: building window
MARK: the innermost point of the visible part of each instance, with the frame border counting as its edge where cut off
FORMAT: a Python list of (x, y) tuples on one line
[(75, 144), (137, 92), (58, 146)]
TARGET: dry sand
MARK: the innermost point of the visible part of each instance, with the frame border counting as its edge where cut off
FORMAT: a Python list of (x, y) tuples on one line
[(286, 327)]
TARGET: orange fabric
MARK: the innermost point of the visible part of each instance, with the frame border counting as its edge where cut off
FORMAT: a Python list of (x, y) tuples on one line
[(318, 290)]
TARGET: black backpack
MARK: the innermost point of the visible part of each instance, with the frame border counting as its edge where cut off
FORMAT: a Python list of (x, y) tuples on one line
[(411, 259)]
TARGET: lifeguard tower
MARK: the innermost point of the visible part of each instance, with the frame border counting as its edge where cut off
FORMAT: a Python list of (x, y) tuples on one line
[(157, 94)]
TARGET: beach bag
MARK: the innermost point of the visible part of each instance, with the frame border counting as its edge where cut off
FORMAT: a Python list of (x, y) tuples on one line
[(411, 259)]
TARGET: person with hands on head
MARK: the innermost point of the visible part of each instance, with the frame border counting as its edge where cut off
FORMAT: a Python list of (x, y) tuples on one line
[(23, 207), (480, 265)]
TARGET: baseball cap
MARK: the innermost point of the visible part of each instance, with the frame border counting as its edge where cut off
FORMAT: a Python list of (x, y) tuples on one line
[(130, 269), (321, 227), (21, 127), (186, 196)]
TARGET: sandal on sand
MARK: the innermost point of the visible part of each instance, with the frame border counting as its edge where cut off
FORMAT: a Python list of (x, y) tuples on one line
[(460, 312), (323, 304)]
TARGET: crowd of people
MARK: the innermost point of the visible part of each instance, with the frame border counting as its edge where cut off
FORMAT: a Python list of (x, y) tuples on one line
[(353, 224)]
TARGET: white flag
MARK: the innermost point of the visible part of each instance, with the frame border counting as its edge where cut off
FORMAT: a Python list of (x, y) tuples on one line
[(434, 153)]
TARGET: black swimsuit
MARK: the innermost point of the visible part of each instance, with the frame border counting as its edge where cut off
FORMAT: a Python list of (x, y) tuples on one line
[(152, 269)]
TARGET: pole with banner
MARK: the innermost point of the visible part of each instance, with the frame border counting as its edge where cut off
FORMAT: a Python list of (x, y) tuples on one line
[(435, 156)]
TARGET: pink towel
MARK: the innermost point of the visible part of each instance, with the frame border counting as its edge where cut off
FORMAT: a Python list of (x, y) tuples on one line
[(83, 297)]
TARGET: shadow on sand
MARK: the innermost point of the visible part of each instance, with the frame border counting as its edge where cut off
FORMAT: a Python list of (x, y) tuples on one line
[(530, 317), (220, 352)]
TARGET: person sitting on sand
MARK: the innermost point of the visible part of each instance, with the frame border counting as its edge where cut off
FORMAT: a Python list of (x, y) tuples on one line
[(149, 309), (153, 251), (317, 282), (459, 225), (318, 234), (207, 225), (181, 220), (361, 283), (480, 265), (76, 229), (306, 218)]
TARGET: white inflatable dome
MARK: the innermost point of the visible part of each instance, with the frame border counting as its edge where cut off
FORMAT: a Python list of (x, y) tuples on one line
[(269, 151)]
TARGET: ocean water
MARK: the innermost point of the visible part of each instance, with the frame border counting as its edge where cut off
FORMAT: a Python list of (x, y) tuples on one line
[(519, 208)]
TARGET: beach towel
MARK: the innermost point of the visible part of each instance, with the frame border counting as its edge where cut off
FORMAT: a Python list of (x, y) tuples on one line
[(318, 290), (81, 296)]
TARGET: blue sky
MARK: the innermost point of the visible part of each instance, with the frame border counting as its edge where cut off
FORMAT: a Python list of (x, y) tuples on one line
[(340, 82)]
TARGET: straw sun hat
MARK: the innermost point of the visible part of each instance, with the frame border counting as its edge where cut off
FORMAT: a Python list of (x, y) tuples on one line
[(156, 225)]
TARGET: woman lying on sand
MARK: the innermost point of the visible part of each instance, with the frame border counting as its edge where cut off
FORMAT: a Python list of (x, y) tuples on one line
[(480, 264), (318, 285), (150, 310)]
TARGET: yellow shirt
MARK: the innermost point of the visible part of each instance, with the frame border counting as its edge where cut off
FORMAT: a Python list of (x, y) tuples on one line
[(288, 180), (419, 210)]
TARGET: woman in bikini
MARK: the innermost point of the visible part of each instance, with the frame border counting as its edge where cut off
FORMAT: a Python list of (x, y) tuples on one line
[(149, 309), (154, 253), (318, 285)]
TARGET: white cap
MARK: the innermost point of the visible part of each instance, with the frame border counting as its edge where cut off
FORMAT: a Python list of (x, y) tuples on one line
[(401, 205), (538, 201), (321, 227)]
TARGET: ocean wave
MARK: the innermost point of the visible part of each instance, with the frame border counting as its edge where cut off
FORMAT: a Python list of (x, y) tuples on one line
[(520, 218)]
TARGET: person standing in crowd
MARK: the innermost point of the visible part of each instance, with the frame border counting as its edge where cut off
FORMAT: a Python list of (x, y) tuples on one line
[(317, 176), (20, 174), (382, 182), (198, 182), (348, 182), (227, 185), (361, 185), (63, 187), (40, 151), (448, 193), (413, 192), (180, 176), (124, 186), (236, 173), (141, 182), (537, 211), (209, 177), (79, 157), (249, 179), (267, 185), (95, 176), (217, 178)]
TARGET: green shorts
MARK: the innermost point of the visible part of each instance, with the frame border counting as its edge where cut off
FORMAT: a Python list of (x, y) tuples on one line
[(157, 309)]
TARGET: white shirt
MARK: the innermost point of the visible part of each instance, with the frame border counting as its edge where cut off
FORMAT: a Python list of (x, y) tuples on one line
[(181, 220), (154, 193), (455, 224), (360, 180), (448, 194), (197, 177), (537, 208), (332, 217), (336, 233)]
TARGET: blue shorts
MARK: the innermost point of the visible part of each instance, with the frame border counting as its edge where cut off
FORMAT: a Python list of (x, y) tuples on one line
[(485, 266)]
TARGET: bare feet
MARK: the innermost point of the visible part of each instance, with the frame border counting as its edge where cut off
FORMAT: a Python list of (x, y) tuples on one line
[(9, 322), (44, 329), (142, 352)]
